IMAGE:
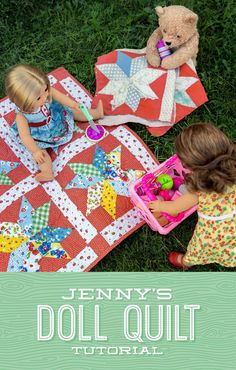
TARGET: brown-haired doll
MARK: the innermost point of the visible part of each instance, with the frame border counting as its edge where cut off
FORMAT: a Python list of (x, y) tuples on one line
[(44, 116), (211, 157)]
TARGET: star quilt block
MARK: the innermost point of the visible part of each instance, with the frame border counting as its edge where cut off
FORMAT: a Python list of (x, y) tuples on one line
[(133, 91)]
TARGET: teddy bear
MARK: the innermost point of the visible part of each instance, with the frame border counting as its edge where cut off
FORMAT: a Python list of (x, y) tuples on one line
[(178, 29)]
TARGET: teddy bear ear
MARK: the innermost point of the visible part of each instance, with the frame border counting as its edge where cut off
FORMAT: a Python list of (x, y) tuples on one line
[(191, 18), (159, 10)]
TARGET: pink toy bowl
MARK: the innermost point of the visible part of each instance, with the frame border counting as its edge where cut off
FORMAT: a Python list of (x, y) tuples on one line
[(140, 197)]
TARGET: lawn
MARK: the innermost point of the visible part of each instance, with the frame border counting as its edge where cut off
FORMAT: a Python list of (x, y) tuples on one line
[(74, 33)]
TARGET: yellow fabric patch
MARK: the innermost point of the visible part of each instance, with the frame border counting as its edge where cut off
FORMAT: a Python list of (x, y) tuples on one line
[(9, 243), (114, 156), (109, 199)]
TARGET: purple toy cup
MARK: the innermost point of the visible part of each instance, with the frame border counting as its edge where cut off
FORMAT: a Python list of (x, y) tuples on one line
[(92, 135), (164, 51)]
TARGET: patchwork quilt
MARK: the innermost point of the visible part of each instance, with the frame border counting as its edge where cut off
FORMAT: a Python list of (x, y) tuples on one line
[(133, 91), (71, 223)]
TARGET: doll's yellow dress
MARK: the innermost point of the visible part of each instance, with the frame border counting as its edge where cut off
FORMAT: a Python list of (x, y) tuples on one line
[(214, 238)]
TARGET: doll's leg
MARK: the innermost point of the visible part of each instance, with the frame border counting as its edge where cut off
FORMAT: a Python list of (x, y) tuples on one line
[(46, 173), (96, 113)]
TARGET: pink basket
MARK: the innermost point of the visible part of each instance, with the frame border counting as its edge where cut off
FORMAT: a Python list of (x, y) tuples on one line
[(172, 167)]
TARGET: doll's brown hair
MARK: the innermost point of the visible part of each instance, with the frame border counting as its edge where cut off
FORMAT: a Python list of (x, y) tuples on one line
[(23, 84), (210, 156)]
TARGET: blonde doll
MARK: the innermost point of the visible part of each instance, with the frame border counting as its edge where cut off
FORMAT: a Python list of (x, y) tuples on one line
[(44, 116), (211, 184)]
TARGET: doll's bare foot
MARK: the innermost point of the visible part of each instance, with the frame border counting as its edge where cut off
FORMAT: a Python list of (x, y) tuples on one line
[(44, 177), (98, 111)]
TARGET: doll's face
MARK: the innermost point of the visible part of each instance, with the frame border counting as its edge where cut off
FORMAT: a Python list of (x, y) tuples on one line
[(42, 98)]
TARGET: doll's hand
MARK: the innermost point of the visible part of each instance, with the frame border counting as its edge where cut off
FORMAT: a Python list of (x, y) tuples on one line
[(155, 206), (39, 156)]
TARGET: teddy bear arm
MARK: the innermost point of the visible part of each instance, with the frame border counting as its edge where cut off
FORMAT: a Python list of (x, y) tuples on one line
[(175, 60), (151, 51), (155, 36), (182, 55)]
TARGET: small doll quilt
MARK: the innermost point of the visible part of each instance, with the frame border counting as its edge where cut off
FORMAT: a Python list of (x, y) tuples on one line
[(133, 91), (72, 222)]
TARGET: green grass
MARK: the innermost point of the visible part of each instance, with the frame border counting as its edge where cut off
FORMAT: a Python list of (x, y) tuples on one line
[(74, 33)]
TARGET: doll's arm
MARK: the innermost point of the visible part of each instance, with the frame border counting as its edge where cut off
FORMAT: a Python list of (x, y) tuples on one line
[(176, 206), (63, 99), (27, 140)]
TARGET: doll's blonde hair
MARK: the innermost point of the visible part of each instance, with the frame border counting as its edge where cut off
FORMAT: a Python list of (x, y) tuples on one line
[(210, 155), (23, 84)]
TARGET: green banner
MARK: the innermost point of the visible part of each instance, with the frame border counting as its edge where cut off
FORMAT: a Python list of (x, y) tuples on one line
[(118, 321)]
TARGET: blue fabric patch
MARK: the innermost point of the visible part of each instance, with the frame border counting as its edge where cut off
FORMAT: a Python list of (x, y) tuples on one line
[(25, 216), (133, 98), (100, 159), (124, 62), (6, 166), (51, 234), (16, 260), (83, 181)]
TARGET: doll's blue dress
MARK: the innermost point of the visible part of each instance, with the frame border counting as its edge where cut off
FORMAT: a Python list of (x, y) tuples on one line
[(51, 125)]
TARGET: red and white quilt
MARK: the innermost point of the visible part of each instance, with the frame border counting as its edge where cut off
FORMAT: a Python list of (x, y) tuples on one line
[(133, 91), (71, 223)]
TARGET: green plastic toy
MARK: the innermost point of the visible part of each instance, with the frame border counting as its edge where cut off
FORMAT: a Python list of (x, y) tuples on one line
[(166, 181)]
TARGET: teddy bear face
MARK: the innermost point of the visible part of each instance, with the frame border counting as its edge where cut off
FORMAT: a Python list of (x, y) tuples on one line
[(177, 24)]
